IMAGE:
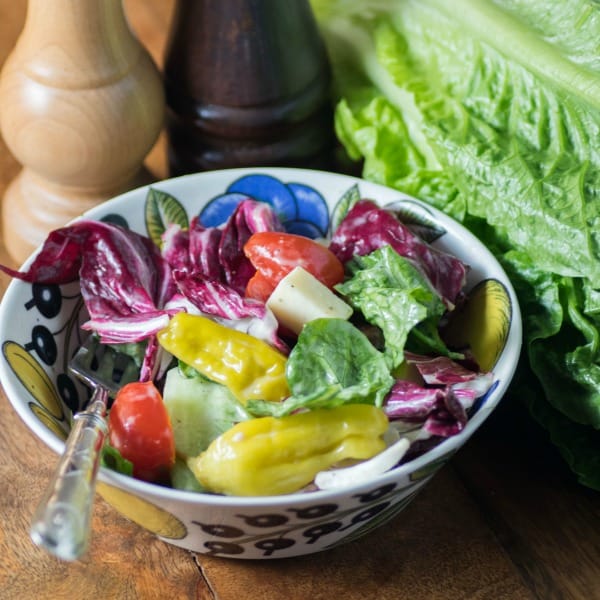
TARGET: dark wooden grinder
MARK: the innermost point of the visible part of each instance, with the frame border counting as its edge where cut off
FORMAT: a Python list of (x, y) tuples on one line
[(247, 84)]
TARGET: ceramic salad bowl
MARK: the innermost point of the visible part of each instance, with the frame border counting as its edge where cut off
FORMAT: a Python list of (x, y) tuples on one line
[(40, 330)]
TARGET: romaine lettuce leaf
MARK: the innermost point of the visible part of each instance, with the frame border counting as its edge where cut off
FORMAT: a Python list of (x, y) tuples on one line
[(578, 444), (393, 294), (490, 110), (112, 459), (482, 121), (333, 363)]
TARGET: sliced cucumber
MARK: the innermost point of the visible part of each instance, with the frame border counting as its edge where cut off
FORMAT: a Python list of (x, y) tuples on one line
[(200, 410)]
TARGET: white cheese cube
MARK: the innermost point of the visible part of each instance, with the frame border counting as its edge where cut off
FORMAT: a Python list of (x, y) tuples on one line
[(300, 297)]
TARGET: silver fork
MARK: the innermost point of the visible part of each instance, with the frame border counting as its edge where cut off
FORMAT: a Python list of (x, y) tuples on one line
[(61, 523)]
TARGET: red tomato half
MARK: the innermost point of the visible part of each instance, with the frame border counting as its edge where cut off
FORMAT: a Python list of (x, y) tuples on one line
[(140, 429), (274, 254)]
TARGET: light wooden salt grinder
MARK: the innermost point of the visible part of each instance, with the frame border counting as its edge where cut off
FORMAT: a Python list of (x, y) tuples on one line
[(81, 104)]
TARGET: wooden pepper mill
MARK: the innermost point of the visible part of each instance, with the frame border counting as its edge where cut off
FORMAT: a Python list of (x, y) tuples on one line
[(81, 104), (247, 84)]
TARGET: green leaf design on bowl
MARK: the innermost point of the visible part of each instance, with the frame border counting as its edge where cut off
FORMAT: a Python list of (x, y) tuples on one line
[(161, 210), (348, 199)]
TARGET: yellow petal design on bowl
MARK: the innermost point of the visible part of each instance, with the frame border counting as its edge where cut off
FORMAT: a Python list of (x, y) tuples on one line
[(482, 323), (48, 420), (33, 377), (144, 513)]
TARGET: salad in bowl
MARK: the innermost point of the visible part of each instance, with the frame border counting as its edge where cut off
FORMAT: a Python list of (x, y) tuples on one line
[(299, 336)]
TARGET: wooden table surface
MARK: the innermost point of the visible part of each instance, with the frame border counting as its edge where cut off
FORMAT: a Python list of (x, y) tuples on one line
[(504, 520)]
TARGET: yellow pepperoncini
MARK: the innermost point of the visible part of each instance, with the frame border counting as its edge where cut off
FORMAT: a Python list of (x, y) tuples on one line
[(249, 367), (270, 455)]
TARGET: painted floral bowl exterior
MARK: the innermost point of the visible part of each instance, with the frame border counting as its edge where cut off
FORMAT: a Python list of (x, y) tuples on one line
[(39, 331)]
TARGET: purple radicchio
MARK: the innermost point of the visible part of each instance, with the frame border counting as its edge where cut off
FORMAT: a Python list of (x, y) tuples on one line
[(124, 280), (216, 253), (195, 250), (249, 217), (211, 271), (121, 273), (368, 227), (441, 403)]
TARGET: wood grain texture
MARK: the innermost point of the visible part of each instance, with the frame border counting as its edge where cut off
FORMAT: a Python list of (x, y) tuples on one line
[(124, 561), (82, 105), (437, 548), (503, 521), (151, 22), (545, 520)]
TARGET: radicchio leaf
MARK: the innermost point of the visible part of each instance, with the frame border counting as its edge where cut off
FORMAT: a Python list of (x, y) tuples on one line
[(127, 329), (441, 402), (216, 253), (249, 217), (440, 370), (124, 280), (175, 246), (215, 298), (367, 227), (409, 400), (156, 361), (204, 250), (439, 411), (59, 259), (120, 274)]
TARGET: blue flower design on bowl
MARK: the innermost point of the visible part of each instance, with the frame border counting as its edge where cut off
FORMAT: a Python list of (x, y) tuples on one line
[(301, 209)]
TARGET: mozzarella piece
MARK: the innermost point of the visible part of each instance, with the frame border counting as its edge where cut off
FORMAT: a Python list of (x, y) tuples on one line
[(300, 297)]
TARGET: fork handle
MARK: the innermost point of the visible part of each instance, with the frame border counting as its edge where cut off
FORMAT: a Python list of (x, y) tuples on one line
[(61, 523)]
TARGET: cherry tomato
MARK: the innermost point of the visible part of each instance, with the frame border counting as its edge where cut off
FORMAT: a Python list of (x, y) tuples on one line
[(259, 287), (140, 429), (274, 254)]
